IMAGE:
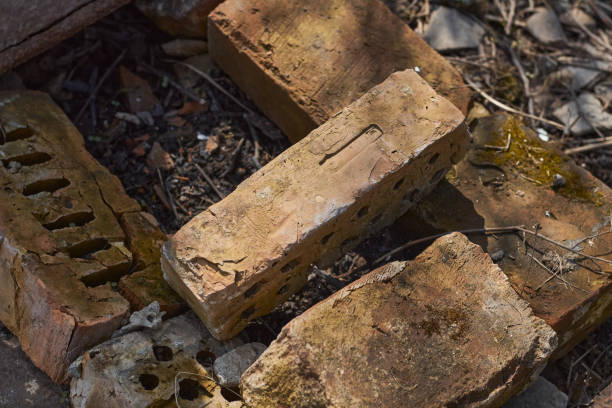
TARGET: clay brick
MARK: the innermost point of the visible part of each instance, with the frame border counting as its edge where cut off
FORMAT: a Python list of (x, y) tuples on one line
[(446, 330), (31, 27), (491, 188), (604, 399), (146, 369), (355, 174), (60, 236), (303, 61)]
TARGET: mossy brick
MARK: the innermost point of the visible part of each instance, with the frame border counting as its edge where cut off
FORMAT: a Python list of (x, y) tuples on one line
[(303, 61), (350, 177)]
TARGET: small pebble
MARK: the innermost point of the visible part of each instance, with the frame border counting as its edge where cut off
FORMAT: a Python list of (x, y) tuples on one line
[(543, 135), (498, 255), (558, 180)]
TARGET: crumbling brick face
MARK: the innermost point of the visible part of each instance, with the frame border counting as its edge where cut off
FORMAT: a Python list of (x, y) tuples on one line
[(61, 241), (355, 174), (302, 61)]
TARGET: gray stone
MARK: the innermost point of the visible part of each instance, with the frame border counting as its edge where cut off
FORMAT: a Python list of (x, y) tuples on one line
[(450, 30), (588, 106), (545, 27), (230, 366), (541, 394), (148, 317)]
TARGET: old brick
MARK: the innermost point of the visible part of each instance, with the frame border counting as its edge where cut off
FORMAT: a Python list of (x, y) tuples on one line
[(493, 188), (184, 18), (60, 236), (604, 399), (303, 61), (31, 27), (358, 172), (446, 330), (142, 369)]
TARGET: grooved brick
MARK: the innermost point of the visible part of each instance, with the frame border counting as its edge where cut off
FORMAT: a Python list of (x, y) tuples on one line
[(302, 61), (353, 175)]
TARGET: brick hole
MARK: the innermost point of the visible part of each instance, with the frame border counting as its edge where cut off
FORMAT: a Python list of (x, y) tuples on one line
[(398, 184), (82, 249), (17, 134), (253, 289), (71, 220), (29, 159), (410, 196), (206, 358), (438, 176), (290, 265), (48, 185), (326, 238), (163, 353), (363, 211), (148, 381), (434, 158), (189, 389), (283, 290), (348, 241), (230, 394), (375, 220), (247, 313)]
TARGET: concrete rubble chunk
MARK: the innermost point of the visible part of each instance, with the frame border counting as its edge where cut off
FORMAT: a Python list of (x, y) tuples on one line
[(303, 61), (492, 188), (350, 177), (149, 368), (34, 26), (444, 330), (181, 18), (541, 394), (61, 237), (230, 366), (545, 27), (451, 30)]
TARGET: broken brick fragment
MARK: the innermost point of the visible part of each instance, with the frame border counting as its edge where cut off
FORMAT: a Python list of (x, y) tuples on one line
[(350, 177), (303, 61)]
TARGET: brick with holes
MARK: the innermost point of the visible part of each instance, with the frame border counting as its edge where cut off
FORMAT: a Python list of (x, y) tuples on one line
[(302, 61), (61, 240), (353, 175)]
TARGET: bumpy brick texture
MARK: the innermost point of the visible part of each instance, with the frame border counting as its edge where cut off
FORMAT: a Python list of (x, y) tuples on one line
[(446, 330), (33, 26), (60, 236), (148, 368), (302, 61), (355, 174), (493, 188)]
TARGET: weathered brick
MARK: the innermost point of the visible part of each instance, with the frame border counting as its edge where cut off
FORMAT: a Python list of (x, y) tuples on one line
[(493, 188), (60, 236), (302, 61), (604, 399), (355, 174), (31, 27), (147, 368), (446, 330)]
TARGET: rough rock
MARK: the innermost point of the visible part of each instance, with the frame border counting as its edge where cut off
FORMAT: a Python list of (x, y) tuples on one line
[(545, 27), (541, 394), (348, 178), (138, 94), (588, 107), (451, 30), (303, 61), (140, 369), (158, 158), (604, 399), (444, 330), (24, 385), (48, 23), (180, 18), (492, 188), (230, 366), (148, 317), (61, 239)]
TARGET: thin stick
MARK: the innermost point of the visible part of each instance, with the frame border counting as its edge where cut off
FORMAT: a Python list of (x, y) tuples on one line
[(588, 147), (555, 275), (93, 94), (161, 74), (233, 159), (165, 190), (511, 109), (209, 181)]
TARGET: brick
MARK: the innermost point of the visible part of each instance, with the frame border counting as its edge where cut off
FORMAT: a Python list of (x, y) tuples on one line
[(35, 26), (446, 330), (142, 369), (477, 194), (303, 61), (355, 174), (61, 239), (604, 399), (182, 18)]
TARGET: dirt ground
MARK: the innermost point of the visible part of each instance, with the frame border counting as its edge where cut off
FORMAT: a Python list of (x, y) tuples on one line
[(207, 135)]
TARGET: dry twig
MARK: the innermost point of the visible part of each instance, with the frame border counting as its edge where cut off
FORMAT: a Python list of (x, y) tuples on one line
[(209, 181)]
